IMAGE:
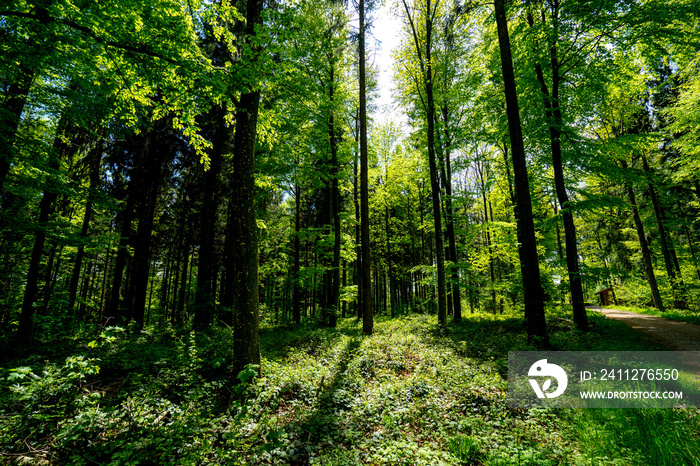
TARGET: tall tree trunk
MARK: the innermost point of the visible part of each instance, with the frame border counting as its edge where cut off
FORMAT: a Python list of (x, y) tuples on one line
[(644, 245), (434, 183), (367, 317), (676, 281), (488, 239), (527, 250), (555, 123), (357, 273), (10, 115), (449, 220), (206, 270), (392, 299), (296, 293), (147, 176), (114, 311), (426, 66), (245, 230), (94, 160), (335, 209), (31, 288), (246, 325)]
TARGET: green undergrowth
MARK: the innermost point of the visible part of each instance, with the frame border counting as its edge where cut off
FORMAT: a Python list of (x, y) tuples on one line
[(691, 317), (411, 394)]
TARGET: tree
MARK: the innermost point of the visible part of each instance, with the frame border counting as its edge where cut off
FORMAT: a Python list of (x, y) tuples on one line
[(367, 317), (527, 250), (246, 339), (427, 76)]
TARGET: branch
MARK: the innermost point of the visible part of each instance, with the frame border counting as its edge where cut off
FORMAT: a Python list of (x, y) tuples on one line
[(45, 18)]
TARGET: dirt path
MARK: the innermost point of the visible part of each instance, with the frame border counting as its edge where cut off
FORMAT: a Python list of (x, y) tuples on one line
[(679, 336)]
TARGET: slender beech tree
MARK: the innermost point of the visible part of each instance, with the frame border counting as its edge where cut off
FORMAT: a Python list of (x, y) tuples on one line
[(527, 249), (643, 243), (58, 152), (206, 269), (367, 317), (428, 76), (555, 122)]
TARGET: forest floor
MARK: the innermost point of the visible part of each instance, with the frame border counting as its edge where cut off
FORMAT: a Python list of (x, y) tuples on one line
[(679, 336), (410, 394)]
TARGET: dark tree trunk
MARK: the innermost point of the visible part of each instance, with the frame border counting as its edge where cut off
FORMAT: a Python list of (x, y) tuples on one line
[(367, 317), (10, 115), (147, 178), (555, 123), (114, 311), (31, 289), (426, 66), (296, 291), (95, 158), (335, 210), (676, 281), (434, 183), (246, 325), (644, 245), (357, 273), (527, 250), (449, 220), (206, 271), (488, 239)]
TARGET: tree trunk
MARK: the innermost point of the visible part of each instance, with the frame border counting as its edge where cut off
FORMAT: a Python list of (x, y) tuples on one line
[(31, 289), (246, 325), (95, 158), (527, 250), (555, 122), (644, 245), (488, 239), (206, 270), (367, 317), (434, 183), (335, 209), (449, 220), (296, 293), (147, 176), (357, 273), (676, 281), (10, 116)]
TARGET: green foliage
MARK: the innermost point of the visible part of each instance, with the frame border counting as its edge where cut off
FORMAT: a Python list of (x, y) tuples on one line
[(409, 394)]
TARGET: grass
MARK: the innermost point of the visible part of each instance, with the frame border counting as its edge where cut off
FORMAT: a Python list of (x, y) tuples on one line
[(671, 314), (411, 394)]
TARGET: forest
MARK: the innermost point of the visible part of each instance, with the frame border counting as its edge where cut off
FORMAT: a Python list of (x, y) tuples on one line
[(217, 247)]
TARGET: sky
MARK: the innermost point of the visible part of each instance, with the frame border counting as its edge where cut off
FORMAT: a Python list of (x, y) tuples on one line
[(385, 31)]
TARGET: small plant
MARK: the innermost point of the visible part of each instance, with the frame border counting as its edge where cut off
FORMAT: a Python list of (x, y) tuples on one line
[(465, 448)]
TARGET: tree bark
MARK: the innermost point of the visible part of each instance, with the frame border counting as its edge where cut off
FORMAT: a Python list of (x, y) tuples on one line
[(204, 306), (449, 220), (527, 250), (643, 245), (95, 158), (10, 116), (367, 317), (31, 288), (555, 122), (146, 176), (296, 292), (676, 281), (246, 321)]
